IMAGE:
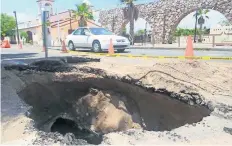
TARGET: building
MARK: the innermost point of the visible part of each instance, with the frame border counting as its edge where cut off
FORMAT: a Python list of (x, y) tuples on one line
[(222, 34), (218, 36), (60, 24)]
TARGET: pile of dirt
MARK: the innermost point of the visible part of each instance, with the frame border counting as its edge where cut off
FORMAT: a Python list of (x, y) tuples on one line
[(107, 111)]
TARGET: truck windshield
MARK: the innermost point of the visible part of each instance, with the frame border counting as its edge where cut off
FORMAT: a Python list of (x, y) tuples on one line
[(100, 31)]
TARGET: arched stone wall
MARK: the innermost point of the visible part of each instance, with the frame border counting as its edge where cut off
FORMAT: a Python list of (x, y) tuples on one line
[(107, 18), (165, 15)]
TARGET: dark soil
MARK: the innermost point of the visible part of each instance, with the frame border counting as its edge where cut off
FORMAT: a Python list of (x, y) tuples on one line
[(158, 112), (50, 65), (49, 138), (55, 107)]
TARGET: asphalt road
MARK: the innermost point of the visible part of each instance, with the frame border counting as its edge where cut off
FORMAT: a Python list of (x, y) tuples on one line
[(36, 52), (162, 52)]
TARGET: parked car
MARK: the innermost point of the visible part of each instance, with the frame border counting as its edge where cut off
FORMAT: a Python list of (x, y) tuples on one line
[(95, 39)]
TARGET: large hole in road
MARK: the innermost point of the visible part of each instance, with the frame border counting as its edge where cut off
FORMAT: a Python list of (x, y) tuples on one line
[(95, 106)]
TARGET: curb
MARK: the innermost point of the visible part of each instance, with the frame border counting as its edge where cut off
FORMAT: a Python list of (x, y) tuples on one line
[(177, 48), (156, 57)]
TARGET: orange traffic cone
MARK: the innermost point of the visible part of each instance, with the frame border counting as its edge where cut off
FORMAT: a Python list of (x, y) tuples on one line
[(111, 48), (5, 44), (43, 49), (20, 45), (64, 49), (189, 48)]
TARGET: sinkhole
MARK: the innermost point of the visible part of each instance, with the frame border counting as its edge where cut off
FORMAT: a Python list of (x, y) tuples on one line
[(92, 107)]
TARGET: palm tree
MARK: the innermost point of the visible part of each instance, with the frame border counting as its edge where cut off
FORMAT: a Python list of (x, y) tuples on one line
[(82, 14), (201, 16), (131, 13)]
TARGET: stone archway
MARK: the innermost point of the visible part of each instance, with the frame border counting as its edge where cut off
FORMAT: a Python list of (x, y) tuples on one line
[(165, 15), (112, 19), (174, 17)]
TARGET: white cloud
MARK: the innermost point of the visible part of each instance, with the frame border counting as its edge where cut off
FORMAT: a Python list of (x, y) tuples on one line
[(22, 17), (87, 2), (214, 18)]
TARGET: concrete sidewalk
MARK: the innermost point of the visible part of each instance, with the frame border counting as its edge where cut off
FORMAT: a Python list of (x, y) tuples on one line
[(205, 47), (197, 46)]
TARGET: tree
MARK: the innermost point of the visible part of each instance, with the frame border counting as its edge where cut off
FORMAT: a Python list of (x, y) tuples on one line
[(82, 14), (124, 31), (185, 32), (131, 13), (202, 16), (23, 34), (140, 32), (8, 25)]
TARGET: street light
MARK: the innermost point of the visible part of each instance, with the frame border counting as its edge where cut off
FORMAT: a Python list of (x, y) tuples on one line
[(17, 29), (195, 32), (44, 31)]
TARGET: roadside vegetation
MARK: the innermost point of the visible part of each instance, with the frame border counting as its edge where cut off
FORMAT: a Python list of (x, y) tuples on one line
[(131, 13), (202, 16), (7, 25), (83, 13)]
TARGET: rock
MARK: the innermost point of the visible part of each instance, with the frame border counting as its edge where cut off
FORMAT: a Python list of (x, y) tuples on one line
[(93, 91), (107, 95), (44, 138), (72, 59), (228, 130), (69, 137), (191, 102)]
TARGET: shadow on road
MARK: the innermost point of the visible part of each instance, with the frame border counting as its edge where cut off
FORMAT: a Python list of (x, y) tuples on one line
[(102, 51), (21, 55)]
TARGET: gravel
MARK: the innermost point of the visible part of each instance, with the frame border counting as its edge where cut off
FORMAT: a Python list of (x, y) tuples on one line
[(44, 138)]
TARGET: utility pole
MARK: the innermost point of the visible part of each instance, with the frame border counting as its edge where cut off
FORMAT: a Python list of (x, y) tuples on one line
[(70, 20), (58, 27), (45, 31), (17, 28), (195, 32)]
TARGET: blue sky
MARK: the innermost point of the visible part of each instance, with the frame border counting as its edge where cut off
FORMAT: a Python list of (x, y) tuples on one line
[(30, 6), (28, 9)]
